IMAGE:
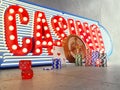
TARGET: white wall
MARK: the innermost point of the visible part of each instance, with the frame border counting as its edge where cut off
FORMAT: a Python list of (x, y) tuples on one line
[(105, 11), (85, 8), (110, 18)]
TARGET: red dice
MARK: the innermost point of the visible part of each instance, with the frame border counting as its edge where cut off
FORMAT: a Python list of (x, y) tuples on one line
[(27, 74), (25, 66)]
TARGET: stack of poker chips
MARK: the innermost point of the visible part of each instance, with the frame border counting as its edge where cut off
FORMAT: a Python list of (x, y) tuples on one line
[(88, 59), (98, 63), (103, 57), (56, 63), (95, 56), (78, 60), (26, 71)]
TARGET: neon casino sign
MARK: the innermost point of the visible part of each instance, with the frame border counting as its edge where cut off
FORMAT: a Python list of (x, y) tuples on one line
[(29, 31)]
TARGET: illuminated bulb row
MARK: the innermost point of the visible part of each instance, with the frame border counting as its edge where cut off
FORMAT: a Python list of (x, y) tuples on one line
[(71, 22), (87, 39), (45, 43), (39, 20), (95, 39), (39, 27), (11, 28), (12, 11), (101, 41), (79, 27), (24, 50), (14, 47), (57, 27), (37, 50)]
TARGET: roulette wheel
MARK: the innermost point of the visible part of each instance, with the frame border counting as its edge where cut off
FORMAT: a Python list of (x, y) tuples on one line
[(73, 45)]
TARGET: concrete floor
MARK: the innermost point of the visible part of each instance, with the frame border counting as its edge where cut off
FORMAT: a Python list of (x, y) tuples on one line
[(69, 77)]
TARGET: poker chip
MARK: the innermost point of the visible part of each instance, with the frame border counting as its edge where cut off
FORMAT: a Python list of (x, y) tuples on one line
[(56, 63), (88, 58), (95, 56), (78, 60), (47, 68), (103, 58)]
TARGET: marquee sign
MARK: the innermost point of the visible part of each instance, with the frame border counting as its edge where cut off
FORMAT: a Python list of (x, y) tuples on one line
[(29, 31)]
